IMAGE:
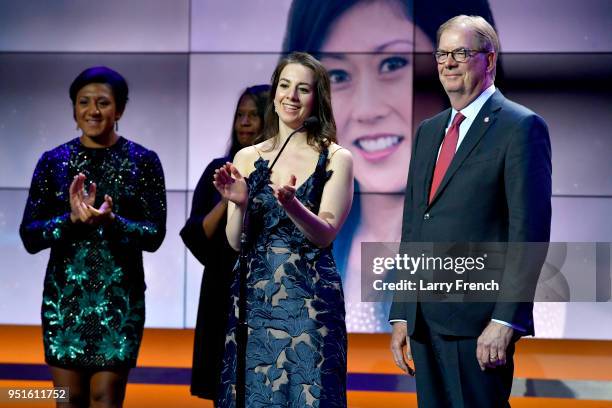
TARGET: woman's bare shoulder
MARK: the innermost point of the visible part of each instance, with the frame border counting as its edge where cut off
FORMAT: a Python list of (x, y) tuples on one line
[(338, 153), (245, 158), (245, 153)]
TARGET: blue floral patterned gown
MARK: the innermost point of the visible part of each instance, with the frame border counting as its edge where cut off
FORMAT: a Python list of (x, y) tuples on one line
[(296, 349), (93, 298)]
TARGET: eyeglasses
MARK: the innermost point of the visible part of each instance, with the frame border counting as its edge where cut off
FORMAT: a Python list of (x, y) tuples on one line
[(459, 55)]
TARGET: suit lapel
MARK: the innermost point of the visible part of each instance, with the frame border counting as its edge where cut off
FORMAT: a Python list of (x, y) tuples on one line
[(485, 119)]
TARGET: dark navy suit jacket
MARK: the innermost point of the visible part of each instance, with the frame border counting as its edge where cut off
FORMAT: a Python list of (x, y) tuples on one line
[(497, 189)]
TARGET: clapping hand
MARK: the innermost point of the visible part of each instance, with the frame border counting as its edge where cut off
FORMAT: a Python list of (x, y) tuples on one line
[(80, 200), (81, 203), (231, 185), (285, 194), (103, 214)]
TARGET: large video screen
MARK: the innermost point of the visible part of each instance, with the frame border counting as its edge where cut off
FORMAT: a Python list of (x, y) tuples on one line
[(188, 61)]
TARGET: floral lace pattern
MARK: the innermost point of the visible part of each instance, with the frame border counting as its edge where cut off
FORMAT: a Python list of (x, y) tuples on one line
[(296, 349)]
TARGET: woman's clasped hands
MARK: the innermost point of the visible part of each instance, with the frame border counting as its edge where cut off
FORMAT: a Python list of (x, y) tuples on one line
[(82, 203)]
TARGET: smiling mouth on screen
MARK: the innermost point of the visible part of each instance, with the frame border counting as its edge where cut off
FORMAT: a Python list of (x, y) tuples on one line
[(378, 147)]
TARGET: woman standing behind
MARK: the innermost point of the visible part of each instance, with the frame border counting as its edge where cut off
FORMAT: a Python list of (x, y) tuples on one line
[(204, 235), (97, 201), (296, 349)]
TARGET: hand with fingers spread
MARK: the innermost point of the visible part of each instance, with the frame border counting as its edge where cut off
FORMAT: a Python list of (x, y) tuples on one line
[(399, 340), (285, 194), (231, 185), (79, 200), (492, 345)]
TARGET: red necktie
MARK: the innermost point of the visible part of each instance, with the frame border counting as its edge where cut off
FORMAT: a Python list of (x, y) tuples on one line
[(449, 145)]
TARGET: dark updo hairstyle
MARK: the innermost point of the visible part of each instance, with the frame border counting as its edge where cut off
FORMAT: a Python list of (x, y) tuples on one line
[(325, 133), (259, 95), (102, 75)]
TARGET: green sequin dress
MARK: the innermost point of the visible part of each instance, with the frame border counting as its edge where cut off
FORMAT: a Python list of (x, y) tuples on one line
[(93, 299)]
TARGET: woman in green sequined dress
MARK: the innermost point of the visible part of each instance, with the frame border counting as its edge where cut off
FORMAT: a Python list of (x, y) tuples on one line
[(97, 202)]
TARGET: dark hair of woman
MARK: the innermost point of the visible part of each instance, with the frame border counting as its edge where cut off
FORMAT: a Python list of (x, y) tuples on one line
[(102, 75), (325, 133), (309, 21), (259, 95)]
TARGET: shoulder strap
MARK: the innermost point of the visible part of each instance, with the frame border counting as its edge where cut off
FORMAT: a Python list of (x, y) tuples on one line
[(256, 150), (323, 157)]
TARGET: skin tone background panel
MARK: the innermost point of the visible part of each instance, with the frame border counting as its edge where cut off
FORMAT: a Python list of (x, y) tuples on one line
[(182, 104)]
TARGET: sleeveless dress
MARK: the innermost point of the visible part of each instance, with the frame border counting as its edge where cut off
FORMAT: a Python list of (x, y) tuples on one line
[(93, 306), (296, 348)]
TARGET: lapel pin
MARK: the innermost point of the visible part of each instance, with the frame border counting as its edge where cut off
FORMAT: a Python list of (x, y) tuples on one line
[(486, 119)]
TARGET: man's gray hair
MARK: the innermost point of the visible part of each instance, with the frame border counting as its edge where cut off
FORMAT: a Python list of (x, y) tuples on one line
[(485, 33)]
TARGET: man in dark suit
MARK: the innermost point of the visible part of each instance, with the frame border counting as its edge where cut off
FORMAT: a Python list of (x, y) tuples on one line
[(480, 172)]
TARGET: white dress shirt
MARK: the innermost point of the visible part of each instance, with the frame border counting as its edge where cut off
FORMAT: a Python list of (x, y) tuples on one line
[(470, 112)]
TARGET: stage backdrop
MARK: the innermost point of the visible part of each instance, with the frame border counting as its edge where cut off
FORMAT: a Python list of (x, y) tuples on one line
[(188, 61)]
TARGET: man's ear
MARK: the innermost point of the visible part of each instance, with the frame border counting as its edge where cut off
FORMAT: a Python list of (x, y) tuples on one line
[(491, 61)]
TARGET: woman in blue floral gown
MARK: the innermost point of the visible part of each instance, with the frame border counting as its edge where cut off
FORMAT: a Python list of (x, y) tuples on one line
[(97, 201), (295, 202)]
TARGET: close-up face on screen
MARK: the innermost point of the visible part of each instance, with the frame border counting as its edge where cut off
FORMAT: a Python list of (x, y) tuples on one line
[(368, 54), (189, 64)]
